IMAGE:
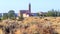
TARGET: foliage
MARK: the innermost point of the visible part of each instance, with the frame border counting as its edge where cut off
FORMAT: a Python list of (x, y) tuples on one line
[(5, 15), (53, 13), (20, 18), (0, 15), (11, 14), (0, 19), (38, 14)]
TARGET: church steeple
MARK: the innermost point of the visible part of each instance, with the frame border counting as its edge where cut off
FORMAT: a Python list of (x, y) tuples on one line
[(29, 7)]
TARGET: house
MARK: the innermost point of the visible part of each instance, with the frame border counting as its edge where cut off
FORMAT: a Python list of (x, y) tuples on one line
[(42, 13)]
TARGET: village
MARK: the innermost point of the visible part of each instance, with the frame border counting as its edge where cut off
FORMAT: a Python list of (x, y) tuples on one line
[(25, 13), (26, 22)]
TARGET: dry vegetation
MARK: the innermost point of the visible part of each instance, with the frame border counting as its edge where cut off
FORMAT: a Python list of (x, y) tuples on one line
[(31, 25)]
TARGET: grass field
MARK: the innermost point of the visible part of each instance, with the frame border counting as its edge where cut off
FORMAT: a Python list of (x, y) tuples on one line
[(32, 25)]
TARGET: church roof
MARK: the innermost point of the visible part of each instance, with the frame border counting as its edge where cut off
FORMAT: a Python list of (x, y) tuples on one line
[(24, 11)]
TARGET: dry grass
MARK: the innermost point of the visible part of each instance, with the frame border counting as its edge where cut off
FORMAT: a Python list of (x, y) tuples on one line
[(33, 25)]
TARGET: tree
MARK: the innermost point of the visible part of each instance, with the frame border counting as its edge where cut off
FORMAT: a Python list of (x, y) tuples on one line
[(11, 14), (5, 15), (0, 15), (52, 13), (38, 14)]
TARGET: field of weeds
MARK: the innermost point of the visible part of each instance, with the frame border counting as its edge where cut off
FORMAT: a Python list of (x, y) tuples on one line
[(31, 25)]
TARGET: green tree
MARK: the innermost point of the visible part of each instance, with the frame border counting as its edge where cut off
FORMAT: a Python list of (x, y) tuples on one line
[(0, 15), (59, 13), (11, 14), (38, 14), (5, 15), (52, 13)]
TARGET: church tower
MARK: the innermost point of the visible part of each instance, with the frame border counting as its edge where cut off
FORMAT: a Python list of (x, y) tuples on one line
[(29, 7)]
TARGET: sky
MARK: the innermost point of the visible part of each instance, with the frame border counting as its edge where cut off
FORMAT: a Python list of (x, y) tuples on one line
[(36, 5)]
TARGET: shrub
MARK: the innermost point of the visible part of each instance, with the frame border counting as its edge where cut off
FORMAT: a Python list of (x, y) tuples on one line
[(20, 18)]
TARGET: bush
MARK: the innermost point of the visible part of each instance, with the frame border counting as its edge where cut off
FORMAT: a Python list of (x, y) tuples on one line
[(20, 18), (0, 19)]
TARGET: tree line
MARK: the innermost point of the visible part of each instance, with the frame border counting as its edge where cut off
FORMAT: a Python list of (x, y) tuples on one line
[(11, 14), (51, 13)]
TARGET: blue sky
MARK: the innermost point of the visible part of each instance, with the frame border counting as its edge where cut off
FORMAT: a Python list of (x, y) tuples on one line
[(36, 5)]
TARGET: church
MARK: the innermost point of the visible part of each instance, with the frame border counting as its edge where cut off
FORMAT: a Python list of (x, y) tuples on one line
[(25, 13)]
